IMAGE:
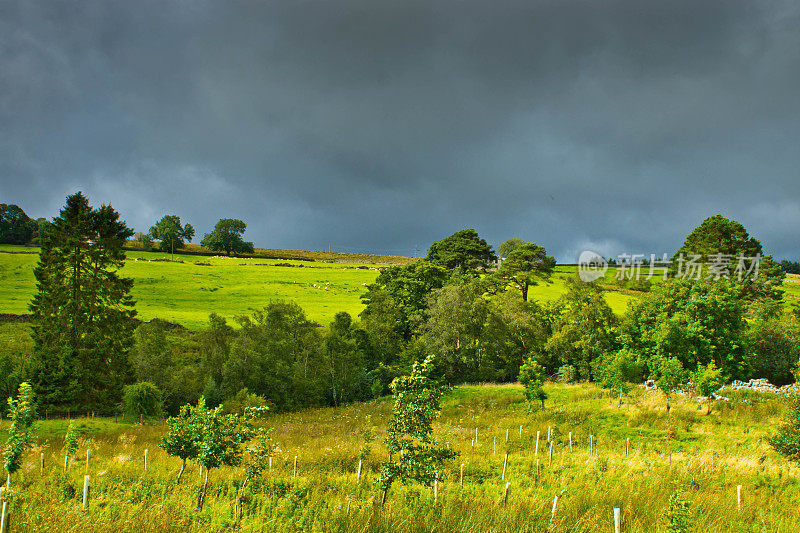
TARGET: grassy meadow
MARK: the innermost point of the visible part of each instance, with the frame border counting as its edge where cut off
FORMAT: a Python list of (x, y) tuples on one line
[(704, 455)]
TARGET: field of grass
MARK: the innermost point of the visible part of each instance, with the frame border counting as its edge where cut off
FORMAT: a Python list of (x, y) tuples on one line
[(186, 292), (709, 455)]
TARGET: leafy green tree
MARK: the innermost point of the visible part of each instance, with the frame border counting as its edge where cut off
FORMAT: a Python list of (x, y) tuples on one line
[(171, 234), (718, 238), (694, 321), (463, 249), (277, 354), (525, 267), (142, 399), (151, 357), (454, 330), (774, 347), (508, 246), (787, 440), (43, 227), (185, 431), (345, 360), (221, 442), (145, 240), (82, 310), (15, 226), (707, 380), (583, 328), (414, 453), (227, 237), (617, 370), (531, 376), (408, 287), (514, 330), (670, 376), (20, 434)]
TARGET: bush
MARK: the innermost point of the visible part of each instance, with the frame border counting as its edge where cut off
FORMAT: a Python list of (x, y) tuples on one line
[(774, 348), (787, 441), (567, 374), (142, 399), (241, 401)]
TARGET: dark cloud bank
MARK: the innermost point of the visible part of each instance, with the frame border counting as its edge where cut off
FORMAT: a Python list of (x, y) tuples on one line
[(616, 126)]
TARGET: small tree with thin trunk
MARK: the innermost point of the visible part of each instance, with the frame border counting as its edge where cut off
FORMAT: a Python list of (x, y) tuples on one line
[(707, 380), (183, 437), (414, 454), (670, 375), (222, 440), (20, 434), (70, 443), (531, 376)]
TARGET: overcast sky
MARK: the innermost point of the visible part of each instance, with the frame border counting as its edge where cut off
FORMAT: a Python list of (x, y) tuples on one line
[(380, 125)]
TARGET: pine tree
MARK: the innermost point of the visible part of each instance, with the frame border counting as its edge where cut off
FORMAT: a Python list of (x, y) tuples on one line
[(83, 311)]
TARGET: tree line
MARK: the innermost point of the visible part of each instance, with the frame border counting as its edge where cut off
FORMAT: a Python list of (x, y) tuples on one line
[(167, 234), (476, 319)]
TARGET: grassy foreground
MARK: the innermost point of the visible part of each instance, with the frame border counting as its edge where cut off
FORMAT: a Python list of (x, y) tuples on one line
[(707, 457)]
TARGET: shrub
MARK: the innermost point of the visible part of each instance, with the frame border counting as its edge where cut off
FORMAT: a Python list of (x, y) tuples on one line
[(142, 399), (243, 400), (787, 441)]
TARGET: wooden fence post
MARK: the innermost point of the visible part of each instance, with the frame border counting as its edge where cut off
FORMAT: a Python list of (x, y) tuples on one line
[(86, 492)]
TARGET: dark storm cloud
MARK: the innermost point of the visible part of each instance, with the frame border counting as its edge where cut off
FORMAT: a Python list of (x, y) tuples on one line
[(616, 126)]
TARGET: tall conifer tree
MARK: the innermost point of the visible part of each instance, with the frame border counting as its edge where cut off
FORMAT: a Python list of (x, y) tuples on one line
[(83, 310)]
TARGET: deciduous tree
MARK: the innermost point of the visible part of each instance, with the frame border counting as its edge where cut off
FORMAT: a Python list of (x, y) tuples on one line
[(227, 237)]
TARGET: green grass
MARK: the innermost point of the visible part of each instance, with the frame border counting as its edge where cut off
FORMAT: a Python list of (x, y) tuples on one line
[(187, 292), (327, 442)]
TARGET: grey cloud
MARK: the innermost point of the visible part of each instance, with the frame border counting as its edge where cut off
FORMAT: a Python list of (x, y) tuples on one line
[(380, 125)]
